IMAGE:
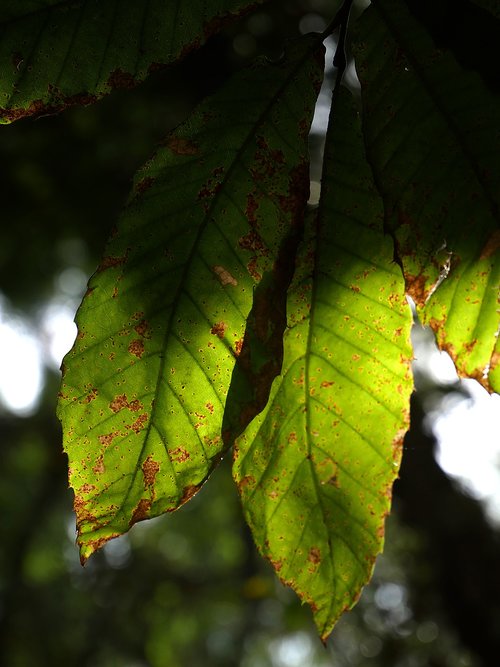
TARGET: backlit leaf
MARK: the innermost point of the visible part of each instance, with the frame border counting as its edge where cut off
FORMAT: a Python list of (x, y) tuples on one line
[(163, 319), (431, 130), (54, 54), (315, 469)]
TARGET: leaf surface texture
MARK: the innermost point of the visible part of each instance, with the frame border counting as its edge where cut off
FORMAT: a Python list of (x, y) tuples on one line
[(54, 54), (315, 469), (163, 320), (431, 131)]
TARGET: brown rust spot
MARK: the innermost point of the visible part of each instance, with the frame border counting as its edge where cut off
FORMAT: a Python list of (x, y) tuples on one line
[(141, 512), (237, 347), (181, 146), (253, 242), (416, 288), (41, 108), (91, 396), (83, 514), (219, 329), (107, 438), (87, 489), (314, 555), (99, 468), (188, 493), (250, 212), (136, 348), (120, 79), (326, 384), (253, 271), (210, 408), (120, 402), (139, 423), (150, 469), (143, 329), (144, 184), (179, 455), (110, 262), (294, 202), (248, 480)]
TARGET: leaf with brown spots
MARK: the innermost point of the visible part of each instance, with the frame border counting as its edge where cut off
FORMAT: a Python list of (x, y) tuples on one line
[(440, 181), (315, 468), (74, 52), (161, 327)]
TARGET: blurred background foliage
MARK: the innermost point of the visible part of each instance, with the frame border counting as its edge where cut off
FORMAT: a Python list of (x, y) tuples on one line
[(189, 588)]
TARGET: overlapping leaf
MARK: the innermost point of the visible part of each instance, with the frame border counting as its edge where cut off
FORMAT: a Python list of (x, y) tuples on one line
[(54, 54), (145, 386), (315, 469), (431, 130)]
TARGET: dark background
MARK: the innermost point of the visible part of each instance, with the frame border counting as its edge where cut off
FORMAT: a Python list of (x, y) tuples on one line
[(189, 589)]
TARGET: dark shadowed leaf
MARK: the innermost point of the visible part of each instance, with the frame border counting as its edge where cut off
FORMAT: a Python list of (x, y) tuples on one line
[(315, 469), (54, 54), (163, 319), (432, 137)]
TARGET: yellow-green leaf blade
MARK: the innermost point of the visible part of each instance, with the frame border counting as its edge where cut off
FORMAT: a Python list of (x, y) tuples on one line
[(431, 129), (145, 386), (315, 469)]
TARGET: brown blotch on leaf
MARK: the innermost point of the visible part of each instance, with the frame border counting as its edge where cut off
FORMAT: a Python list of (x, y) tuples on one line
[(87, 489), (181, 146), (250, 213), (237, 347), (150, 469), (120, 79), (179, 454), (99, 468), (219, 329), (139, 423), (41, 108), (108, 438), (189, 492), (141, 512), (136, 348), (253, 271), (143, 329), (91, 396), (314, 555), (253, 242), (82, 513), (326, 384), (416, 288), (210, 408), (248, 480), (110, 262), (144, 184), (120, 402)]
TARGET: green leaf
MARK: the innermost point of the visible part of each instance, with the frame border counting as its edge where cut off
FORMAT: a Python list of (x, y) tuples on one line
[(315, 469), (54, 54), (431, 131), (162, 322)]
